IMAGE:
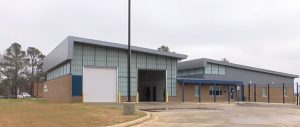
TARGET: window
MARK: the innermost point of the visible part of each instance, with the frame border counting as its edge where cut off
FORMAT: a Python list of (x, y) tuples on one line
[(285, 91), (218, 90), (196, 91), (199, 71), (191, 72), (45, 88), (264, 92), (221, 70), (208, 69), (214, 69), (184, 73), (179, 73)]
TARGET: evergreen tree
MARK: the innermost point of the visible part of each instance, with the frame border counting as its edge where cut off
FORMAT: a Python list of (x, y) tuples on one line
[(164, 48), (13, 67)]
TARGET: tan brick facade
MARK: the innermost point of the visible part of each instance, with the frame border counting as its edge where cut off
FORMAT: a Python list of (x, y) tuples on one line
[(59, 90), (276, 94), (124, 98), (77, 99), (189, 94), (38, 90)]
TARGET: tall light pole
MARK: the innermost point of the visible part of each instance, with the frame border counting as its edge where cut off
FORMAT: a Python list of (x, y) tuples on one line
[(129, 52)]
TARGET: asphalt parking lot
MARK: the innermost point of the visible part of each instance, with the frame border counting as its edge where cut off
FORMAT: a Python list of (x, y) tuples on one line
[(221, 114)]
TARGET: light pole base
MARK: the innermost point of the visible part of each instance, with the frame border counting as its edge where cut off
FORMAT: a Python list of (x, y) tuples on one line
[(128, 108)]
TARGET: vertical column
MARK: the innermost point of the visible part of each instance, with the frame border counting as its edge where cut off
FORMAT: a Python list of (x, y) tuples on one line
[(240, 92), (199, 92), (249, 92), (297, 94), (283, 101), (268, 93), (215, 92), (254, 92), (243, 92), (228, 93), (182, 91)]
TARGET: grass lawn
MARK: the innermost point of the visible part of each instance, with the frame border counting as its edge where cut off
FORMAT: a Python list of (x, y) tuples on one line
[(39, 113)]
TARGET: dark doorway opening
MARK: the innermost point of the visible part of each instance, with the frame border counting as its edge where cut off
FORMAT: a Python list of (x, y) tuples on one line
[(151, 85), (232, 92)]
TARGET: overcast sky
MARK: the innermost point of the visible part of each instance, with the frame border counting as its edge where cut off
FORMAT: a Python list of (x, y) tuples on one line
[(259, 33)]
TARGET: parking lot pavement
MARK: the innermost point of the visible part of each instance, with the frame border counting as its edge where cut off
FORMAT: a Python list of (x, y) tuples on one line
[(216, 115)]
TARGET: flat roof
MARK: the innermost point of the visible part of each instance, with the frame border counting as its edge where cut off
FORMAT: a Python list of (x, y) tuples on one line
[(64, 51), (202, 62)]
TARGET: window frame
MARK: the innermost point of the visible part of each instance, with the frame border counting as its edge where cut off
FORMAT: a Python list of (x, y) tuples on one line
[(218, 88), (285, 91), (214, 69), (208, 69), (196, 91), (223, 68), (264, 92)]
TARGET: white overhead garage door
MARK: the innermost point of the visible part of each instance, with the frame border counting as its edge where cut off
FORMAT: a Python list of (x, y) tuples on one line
[(99, 84)]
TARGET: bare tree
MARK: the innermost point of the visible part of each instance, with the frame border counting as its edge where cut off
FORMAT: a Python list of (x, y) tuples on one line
[(164, 48)]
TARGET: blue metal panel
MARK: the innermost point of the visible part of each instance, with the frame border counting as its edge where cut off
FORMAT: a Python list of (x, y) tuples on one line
[(76, 85)]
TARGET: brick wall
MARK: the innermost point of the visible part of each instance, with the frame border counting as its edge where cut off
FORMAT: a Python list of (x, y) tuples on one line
[(59, 89), (189, 94), (38, 90), (276, 94)]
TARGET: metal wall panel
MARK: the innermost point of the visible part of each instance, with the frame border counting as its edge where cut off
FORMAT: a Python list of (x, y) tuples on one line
[(261, 79), (100, 58), (77, 60), (88, 55), (60, 54), (108, 57), (59, 71)]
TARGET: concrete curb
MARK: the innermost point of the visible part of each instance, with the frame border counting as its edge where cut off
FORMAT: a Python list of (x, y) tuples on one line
[(134, 122)]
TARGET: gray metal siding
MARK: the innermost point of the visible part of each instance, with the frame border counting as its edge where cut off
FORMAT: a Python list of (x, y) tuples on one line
[(199, 63), (59, 55), (122, 46), (64, 51), (261, 79)]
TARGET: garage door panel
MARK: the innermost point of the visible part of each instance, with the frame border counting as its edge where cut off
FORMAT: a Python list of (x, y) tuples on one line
[(99, 85)]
